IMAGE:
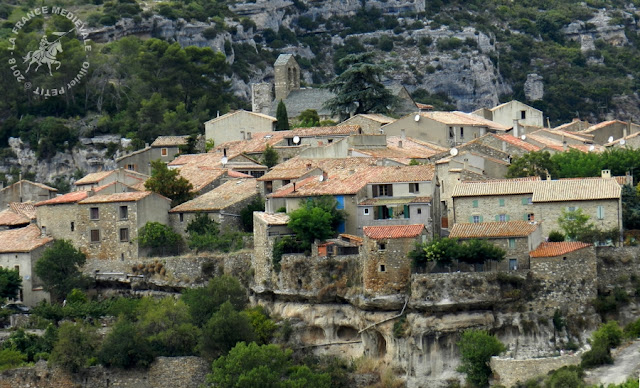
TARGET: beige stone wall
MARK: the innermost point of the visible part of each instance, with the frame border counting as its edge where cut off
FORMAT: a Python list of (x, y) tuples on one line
[(141, 161), (510, 112), (387, 270), (368, 126), (287, 78), (488, 207), (23, 193), (31, 292), (230, 128), (508, 371), (261, 97), (57, 219)]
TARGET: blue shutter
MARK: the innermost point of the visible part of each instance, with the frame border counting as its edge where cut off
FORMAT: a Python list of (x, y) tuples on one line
[(342, 227), (340, 200), (475, 203), (501, 201), (507, 217)]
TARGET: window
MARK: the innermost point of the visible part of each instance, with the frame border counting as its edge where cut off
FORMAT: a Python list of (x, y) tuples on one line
[(527, 201), (268, 187), (73, 226), (414, 188), (502, 218), (475, 203), (512, 243), (94, 213), (164, 152), (530, 217), (523, 114), (286, 182), (382, 246), (513, 264), (124, 212), (330, 141), (382, 190), (450, 132), (501, 202), (95, 235), (600, 212), (461, 133), (366, 211), (44, 229), (476, 219), (124, 234), (382, 268), (419, 210), (181, 217), (131, 167)]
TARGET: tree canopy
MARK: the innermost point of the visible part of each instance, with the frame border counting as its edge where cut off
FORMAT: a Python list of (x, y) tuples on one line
[(59, 269), (359, 89), (318, 219), (283, 118), (10, 283), (531, 164), (476, 349), (169, 183), (270, 156)]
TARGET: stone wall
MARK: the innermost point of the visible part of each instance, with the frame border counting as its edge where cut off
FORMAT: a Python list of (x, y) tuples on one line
[(165, 372), (508, 371), (386, 267)]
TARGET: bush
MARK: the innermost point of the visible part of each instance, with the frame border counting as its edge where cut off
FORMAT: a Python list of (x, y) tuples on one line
[(224, 330), (606, 337), (124, 347), (158, 237), (476, 349), (204, 302), (556, 236), (75, 347)]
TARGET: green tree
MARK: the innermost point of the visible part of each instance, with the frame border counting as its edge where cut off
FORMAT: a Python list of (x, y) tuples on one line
[(263, 327), (311, 223), (630, 207), (476, 349), (263, 366), (124, 347), (10, 283), (59, 269), (246, 214), (283, 119), (556, 236), (308, 118), (532, 164), (359, 89), (205, 301), (575, 224), (566, 377), (157, 235), (224, 330), (11, 358), (602, 340), (168, 183), (76, 345), (270, 156)]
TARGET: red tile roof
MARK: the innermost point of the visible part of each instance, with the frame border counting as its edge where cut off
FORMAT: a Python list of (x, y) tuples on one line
[(323, 131), (493, 229), (463, 119), (10, 218), (223, 196), (25, 209), (552, 249), (393, 231), (516, 141), (169, 141), (22, 240), (94, 177), (71, 197), (119, 197)]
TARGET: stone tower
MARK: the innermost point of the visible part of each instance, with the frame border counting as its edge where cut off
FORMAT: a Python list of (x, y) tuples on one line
[(287, 75), (261, 97)]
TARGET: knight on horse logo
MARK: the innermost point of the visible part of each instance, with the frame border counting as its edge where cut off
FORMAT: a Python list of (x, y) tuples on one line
[(46, 53)]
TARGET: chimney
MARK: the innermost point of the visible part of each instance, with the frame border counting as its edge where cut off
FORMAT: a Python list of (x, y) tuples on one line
[(294, 186), (325, 176), (606, 174), (516, 128), (504, 146), (628, 179), (308, 166)]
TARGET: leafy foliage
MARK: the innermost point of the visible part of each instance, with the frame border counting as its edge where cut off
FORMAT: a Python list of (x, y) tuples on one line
[(204, 235), (281, 115), (59, 269), (359, 88), (124, 347), (270, 156), (76, 345), (308, 118), (556, 236), (476, 349), (168, 183), (531, 164), (10, 283), (630, 207), (223, 330), (606, 337), (446, 250), (204, 302), (246, 214), (157, 235), (311, 223)]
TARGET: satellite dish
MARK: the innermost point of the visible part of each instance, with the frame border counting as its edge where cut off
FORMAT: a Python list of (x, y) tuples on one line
[(453, 151), (523, 137), (610, 139), (296, 139), (224, 160), (417, 118), (592, 147), (623, 142), (321, 178)]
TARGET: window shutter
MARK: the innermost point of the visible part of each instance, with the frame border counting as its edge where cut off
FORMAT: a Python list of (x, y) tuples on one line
[(374, 190), (501, 201), (475, 203), (391, 190), (480, 218), (390, 212), (525, 201), (600, 212), (526, 217), (471, 219), (406, 211), (507, 217), (497, 217)]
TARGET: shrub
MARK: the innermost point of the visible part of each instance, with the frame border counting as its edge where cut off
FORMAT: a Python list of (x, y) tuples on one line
[(476, 349), (556, 236), (158, 236)]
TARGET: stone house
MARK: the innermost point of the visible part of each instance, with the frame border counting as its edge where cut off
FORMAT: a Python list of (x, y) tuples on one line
[(517, 238), (222, 204), (221, 159), (447, 129), (267, 228), (58, 217), (102, 178), (386, 266), (369, 122), (401, 195), (608, 131), (25, 191), (238, 125), (630, 141), (20, 249), (397, 149), (508, 143), (513, 111), (539, 200), (164, 148)]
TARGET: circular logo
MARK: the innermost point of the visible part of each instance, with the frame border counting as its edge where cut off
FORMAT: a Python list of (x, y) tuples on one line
[(36, 69)]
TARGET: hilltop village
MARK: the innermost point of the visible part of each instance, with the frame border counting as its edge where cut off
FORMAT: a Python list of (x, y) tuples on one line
[(397, 182)]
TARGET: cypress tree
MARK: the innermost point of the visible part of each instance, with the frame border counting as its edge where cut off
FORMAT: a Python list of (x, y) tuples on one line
[(282, 117)]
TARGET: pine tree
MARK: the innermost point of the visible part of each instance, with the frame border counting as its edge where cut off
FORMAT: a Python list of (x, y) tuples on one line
[(282, 117)]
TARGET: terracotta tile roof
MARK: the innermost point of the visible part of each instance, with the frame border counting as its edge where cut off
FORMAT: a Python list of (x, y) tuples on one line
[(573, 123), (547, 142), (236, 174), (570, 135), (356, 239), (133, 153), (256, 144), (223, 196), (377, 117), (463, 119), (296, 167), (394, 201), (551, 249), (119, 197), (493, 229), (604, 124), (625, 139), (22, 240), (226, 116), (26, 209), (208, 159), (323, 131), (169, 141), (24, 181), (544, 191), (273, 218), (424, 106), (200, 176), (515, 141), (393, 231), (71, 197), (94, 177), (411, 149), (10, 218), (395, 174)]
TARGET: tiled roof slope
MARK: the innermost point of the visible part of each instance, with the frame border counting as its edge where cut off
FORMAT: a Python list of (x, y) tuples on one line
[(551, 249), (393, 231), (544, 191), (377, 117), (393, 174), (465, 119), (493, 229), (93, 177), (516, 141), (200, 176), (297, 167), (71, 197), (273, 218), (323, 131), (604, 124), (10, 218), (26, 209), (22, 240), (225, 116), (169, 141), (223, 196), (118, 197)]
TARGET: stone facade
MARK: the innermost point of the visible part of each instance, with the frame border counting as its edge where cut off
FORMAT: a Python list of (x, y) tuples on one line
[(32, 292), (287, 76), (509, 372), (515, 111), (368, 125), (25, 191), (261, 97), (238, 125), (140, 161)]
